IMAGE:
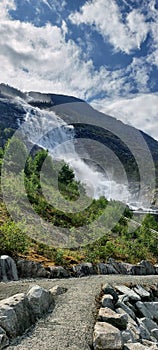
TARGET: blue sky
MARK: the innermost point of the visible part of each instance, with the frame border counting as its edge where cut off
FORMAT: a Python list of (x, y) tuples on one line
[(103, 51)]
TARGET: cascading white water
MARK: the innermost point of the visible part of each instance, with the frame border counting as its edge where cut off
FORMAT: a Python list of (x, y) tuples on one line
[(47, 130)]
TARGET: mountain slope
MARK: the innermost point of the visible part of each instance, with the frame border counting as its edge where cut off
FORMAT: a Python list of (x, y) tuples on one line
[(104, 142)]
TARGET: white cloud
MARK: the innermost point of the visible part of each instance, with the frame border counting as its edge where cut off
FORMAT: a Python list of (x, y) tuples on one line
[(106, 17), (39, 58), (138, 110)]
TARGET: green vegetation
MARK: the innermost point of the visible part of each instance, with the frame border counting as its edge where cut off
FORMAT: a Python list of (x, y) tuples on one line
[(102, 226)]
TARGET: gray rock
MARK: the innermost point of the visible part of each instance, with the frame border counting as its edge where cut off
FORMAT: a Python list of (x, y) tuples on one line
[(127, 336), (118, 266), (130, 319), (57, 290), (106, 337), (138, 270), (154, 333), (126, 309), (123, 298), (144, 333), (134, 329), (117, 320), (107, 301), (105, 269), (84, 269), (149, 268), (58, 272), (149, 324), (151, 345), (28, 268), (129, 292), (152, 307), (143, 310), (4, 341), (142, 292), (15, 315), (108, 289), (135, 346), (8, 269), (40, 300)]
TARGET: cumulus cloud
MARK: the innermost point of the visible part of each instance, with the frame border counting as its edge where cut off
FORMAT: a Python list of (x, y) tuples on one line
[(137, 110), (125, 35), (40, 58)]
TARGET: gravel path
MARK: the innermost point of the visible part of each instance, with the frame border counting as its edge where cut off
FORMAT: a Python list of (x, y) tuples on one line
[(70, 324)]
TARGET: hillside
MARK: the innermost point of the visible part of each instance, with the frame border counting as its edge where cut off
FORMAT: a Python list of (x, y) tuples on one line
[(112, 157)]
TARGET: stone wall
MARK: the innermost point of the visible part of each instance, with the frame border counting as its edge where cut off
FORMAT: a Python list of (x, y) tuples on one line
[(23, 268), (127, 318)]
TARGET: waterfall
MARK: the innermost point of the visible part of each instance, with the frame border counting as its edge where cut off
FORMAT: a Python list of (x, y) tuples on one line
[(46, 129)]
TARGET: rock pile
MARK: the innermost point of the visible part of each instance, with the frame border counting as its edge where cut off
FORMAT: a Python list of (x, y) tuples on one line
[(127, 318), (20, 311), (33, 269)]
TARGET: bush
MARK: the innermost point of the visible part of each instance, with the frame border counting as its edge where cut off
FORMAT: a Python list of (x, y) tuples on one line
[(12, 239)]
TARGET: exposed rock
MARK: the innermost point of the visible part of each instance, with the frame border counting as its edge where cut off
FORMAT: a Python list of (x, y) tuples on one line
[(144, 333), (4, 341), (123, 298), (40, 300), (117, 320), (118, 266), (108, 289), (57, 290), (125, 309), (152, 307), (106, 337), (151, 345), (107, 301), (143, 310), (8, 269), (149, 268), (28, 268), (105, 269), (149, 324), (130, 319), (58, 272), (84, 269), (154, 333), (139, 270), (129, 292), (134, 329), (15, 315), (127, 336), (142, 292), (135, 346)]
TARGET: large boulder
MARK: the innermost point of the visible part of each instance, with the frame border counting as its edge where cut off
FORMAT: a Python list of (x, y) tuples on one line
[(142, 292), (105, 269), (28, 268), (83, 269), (117, 320), (118, 266), (8, 269), (58, 272), (15, 315), (106, 337), (129, 292), (40, 300), (149, 268)]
